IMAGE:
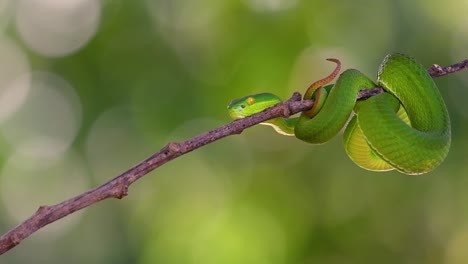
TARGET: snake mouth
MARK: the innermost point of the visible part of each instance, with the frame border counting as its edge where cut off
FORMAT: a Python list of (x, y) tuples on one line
[(235, 114)]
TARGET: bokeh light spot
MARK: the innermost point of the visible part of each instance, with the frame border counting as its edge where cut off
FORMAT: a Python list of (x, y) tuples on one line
[(114, 144), (57, 28), (29, 183), (48, 120), (270, 5), (5, 12), (13, 89)]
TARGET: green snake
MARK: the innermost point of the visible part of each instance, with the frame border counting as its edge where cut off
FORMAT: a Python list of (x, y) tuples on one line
[(406, 128)]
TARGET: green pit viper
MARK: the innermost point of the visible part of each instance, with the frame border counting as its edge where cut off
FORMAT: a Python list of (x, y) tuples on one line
[(406, 128)]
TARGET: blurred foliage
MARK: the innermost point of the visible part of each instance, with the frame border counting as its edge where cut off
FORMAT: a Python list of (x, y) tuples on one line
[(161, 70)]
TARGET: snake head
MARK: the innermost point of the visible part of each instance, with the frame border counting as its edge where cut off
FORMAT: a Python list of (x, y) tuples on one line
[(251, 104)]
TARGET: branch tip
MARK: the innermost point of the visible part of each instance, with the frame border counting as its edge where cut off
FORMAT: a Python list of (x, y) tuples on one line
[(437, 68)]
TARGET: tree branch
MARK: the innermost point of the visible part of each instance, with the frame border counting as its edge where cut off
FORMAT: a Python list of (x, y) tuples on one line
[(118, 186), (437, 71)]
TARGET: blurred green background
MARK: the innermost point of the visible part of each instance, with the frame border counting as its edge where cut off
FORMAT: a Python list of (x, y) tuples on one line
[(89, 88)]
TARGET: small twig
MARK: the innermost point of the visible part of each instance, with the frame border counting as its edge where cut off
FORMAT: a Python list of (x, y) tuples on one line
[(118, 187), (437, 71)]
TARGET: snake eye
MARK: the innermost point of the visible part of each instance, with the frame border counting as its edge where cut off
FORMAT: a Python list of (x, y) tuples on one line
[(250, 101)]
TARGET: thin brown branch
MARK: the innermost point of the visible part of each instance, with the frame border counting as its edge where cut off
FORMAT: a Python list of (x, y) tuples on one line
[(118, 186), (437, 71)]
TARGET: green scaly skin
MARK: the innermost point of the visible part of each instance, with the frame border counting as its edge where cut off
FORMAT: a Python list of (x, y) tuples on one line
[(407, 128)]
